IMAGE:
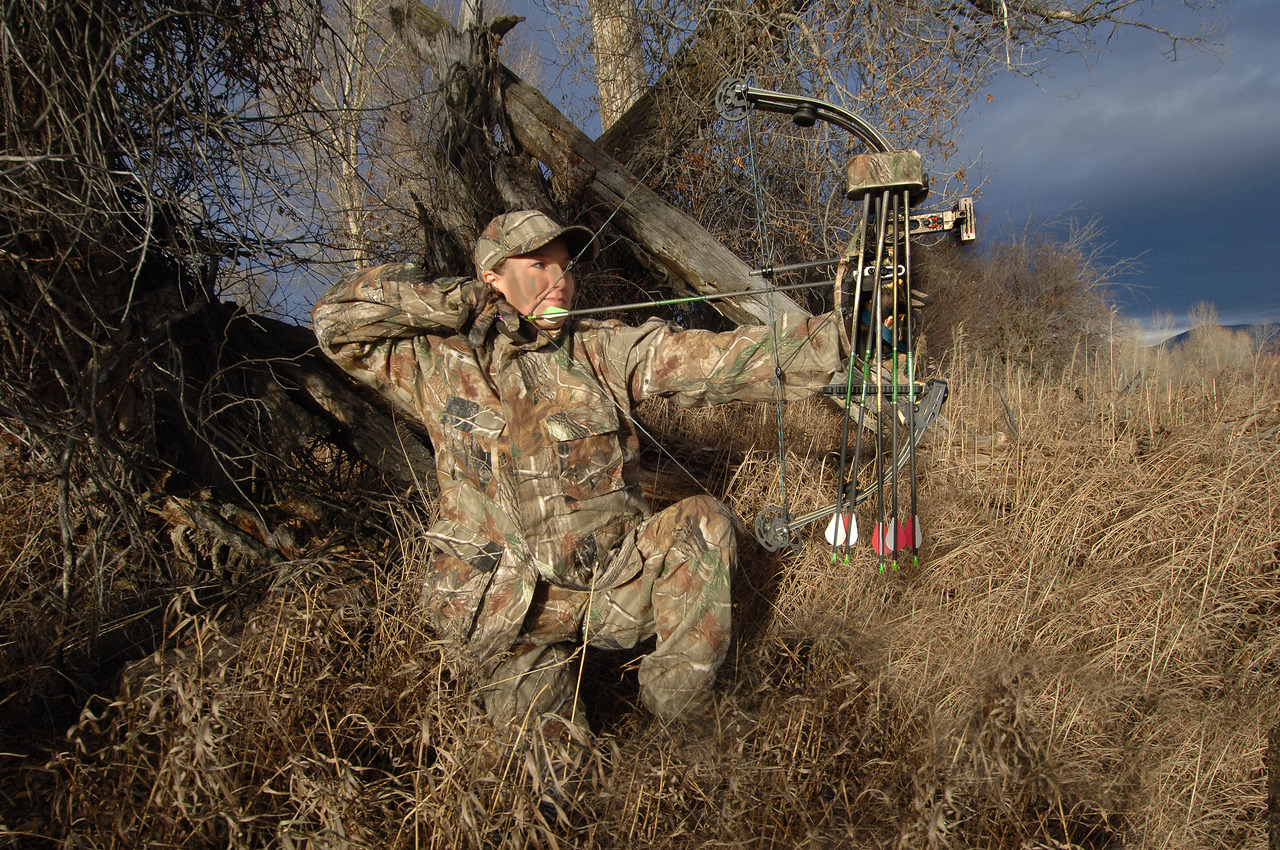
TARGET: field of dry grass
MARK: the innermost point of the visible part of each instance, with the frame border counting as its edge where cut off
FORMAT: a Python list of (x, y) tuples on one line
[(1086, 656)]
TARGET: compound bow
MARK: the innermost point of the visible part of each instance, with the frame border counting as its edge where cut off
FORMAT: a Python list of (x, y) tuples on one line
[(888, 183)]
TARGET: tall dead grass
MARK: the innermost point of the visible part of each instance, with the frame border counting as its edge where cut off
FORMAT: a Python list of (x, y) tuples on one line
[(1086, 656)]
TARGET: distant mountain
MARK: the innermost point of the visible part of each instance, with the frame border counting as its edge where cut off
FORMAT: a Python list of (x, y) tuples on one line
[(1268, 333)]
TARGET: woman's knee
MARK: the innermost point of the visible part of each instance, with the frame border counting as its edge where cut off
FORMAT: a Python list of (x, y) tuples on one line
[(712, 515)]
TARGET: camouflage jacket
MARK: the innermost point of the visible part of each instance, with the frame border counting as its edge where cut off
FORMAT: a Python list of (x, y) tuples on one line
[(535, 447)]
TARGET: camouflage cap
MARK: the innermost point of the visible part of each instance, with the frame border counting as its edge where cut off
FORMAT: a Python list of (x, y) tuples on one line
[(520, 232)]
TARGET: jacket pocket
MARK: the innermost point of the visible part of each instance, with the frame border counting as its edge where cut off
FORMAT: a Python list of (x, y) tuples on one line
[(587, 443)]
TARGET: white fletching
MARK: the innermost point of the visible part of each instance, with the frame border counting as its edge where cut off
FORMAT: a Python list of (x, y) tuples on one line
[(842, 530)]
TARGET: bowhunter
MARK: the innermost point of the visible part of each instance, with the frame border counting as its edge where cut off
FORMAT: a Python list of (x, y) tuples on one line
[(545, 539)]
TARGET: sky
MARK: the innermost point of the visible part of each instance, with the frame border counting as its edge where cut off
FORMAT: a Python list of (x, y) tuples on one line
[(1177, 162)]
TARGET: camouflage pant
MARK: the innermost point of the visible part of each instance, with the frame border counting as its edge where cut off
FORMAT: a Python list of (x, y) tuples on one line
[(681, 595)]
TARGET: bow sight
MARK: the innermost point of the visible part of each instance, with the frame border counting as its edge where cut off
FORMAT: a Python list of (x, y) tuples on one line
[(892, 408)]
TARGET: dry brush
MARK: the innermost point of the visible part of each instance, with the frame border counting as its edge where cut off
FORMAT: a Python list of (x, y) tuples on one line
[(1085, 657)]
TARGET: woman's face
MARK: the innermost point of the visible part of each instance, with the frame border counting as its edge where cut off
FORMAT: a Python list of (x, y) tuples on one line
[(537, 283)]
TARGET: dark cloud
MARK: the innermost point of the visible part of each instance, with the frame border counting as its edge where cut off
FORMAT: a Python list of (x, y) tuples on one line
[(1178, 162)]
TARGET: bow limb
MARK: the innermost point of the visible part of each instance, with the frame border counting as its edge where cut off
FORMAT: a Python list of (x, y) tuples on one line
[(735, 97)]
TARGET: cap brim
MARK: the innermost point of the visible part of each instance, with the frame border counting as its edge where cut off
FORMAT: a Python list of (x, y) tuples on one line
[(579, 240)]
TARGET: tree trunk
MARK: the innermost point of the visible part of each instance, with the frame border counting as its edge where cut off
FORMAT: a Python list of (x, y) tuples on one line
[(620, 77)]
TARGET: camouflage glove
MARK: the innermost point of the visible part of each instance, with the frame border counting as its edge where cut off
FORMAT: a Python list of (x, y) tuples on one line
[(514, 326), (485, 314), (492, 310), (465, 297)]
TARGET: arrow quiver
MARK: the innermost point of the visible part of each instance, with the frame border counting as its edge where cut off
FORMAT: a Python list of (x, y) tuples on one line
[(873, 290)]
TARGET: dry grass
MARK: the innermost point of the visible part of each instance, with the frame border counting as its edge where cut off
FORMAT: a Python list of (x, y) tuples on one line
[(1086, 656)]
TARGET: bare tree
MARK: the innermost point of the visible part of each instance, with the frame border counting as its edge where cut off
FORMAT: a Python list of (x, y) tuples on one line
[(181, 442), (365, 121), (349, 63)]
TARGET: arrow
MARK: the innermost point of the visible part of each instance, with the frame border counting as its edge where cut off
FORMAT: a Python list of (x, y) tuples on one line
[(844, 531), (893, 377), (913, 533), (559, 312), (880, 540)]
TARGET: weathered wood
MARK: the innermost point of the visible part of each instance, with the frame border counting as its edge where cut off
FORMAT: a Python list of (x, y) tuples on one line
[(377, 436), (466, 110), (232, 526), (714, 51), (308, 398)]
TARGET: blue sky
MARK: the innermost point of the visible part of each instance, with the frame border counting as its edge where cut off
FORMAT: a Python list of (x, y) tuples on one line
[(1178, 162)]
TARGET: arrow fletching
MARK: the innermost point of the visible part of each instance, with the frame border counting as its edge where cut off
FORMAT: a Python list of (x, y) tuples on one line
[(885, 539), (914, 533), (904, 538), (842, 530)]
